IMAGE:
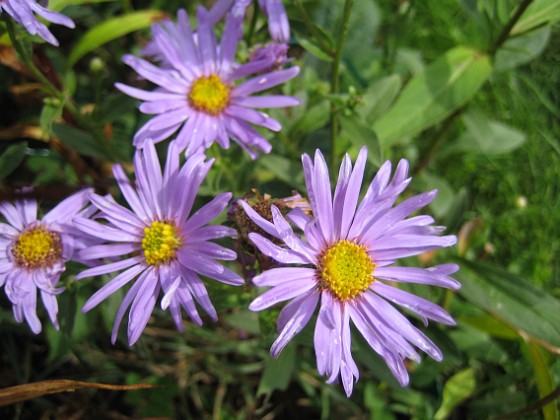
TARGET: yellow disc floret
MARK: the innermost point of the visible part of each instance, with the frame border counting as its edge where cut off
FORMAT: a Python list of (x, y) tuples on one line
[(345, 269), (209, 94), (160, 243), (37, 247)]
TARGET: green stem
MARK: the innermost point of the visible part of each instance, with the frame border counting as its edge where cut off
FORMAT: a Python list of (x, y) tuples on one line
[(504, 34), (313, 29), (335, 80), (50, 89)]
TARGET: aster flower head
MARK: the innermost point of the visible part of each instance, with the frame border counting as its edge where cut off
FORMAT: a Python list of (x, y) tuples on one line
[(199, 95), (24, 11), (164, 247), (344, 264), (33, 254)]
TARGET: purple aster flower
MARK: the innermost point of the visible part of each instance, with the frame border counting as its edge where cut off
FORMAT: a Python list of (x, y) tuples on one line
[(169, 248), (24, 12), (197, 94), (344, 264), (33, 254)]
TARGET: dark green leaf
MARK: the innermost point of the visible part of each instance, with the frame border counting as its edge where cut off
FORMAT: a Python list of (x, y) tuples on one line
[(83, 142), (11, 158), (522, 49), (314, 50), (514, 300), (379, 97), (51, 111), (277, 373), (360, 135)]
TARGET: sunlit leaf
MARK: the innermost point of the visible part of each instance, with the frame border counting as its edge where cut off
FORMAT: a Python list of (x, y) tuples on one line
[(522, 49), (379, 97), (443, 86), (58, 5), (19, 393), (540, 12), (523, 306), (456, 390), (360, 135), (111, 29)]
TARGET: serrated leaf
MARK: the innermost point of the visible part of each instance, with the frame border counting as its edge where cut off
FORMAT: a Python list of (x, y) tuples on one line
[(355, 130), (11, 158), (513, 300), (429, 97), (112, 29), (457, 389)]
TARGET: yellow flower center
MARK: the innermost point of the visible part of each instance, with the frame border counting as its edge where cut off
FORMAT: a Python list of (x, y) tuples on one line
[(209, 94), (346, 270), (37, 248), (160, 243)]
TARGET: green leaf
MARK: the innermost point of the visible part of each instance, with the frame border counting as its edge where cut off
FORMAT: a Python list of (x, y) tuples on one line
[(513, 300), (539, 13), (429, 97), (445, 196), (359, 134), (379, 97), (112, 29), (522, 49), (312, 120), (79, 140), (58, 5), (456, 390), (488, 137), (51, 111), (277, 373), (543, 377), (11, 158), (286, 170), (314, 50), (489, 325)]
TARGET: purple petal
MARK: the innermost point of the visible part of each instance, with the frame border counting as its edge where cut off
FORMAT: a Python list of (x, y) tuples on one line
[(436, 276), (277, 276), (285, 291), (282, 255)]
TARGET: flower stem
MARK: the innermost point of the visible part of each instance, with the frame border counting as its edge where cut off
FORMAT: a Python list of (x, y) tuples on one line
[(335, 80), (504, 34), (313, 29)]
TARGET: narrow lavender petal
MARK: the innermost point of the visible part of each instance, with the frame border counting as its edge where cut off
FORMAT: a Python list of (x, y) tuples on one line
[(388, 249), (142, 308), (401, 325), (116, 214), (397, 368), (414, 303), (432, 276), (314, 236), (296, 323), (290, 309), (165, 106), (352, 193), (339, 193), (260, 221), (206, 41), (206, 233), (111, 250), (111, 287), (212, 250), (336, 342), (348, 368), (29, 305), (282, 255), (103, 232), (322, 190), (265, 81), (110, 268), (231, 36), (278, 24), (184, 297), (27, 208), (8, 231), (277, 276), (170, 80), (127, 300), (170, 281), (145, 95), (129, 192), (285, 291), (47, 283), (287, 235), (266, 101), (254, 117), (199, 262), (51, 16), (153, 175), (194, 176), (366, 330), (12, 215), (298, 217), (218, 10), (322, 336), (198, 290), (51, 305)]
